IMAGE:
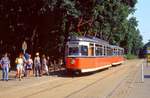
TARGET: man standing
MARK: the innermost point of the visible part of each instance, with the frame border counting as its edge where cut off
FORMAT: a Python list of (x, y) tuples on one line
[(37, 65), (5, 65)]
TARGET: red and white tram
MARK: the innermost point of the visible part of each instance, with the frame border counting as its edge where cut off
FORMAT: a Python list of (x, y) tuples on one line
[(85, 54)]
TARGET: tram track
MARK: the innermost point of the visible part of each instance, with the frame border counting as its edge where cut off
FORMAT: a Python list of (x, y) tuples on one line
[(64, 82), (117, 69), (100, 79), (125, 83), (28, 88)]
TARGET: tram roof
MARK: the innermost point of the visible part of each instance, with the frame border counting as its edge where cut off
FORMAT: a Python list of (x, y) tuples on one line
[(114, 46), (88, 39)]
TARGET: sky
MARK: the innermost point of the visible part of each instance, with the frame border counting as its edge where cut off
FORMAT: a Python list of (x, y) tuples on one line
[(143, 17)]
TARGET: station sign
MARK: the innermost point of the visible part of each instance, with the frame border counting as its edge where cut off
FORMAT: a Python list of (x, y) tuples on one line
[(24, 46)]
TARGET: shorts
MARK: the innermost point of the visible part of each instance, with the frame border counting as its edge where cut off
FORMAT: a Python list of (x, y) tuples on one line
[(19, 67), (29, 67)]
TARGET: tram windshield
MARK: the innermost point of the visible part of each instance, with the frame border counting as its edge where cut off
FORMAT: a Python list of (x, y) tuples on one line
[(73, 51), (76, 51), (84, 50)]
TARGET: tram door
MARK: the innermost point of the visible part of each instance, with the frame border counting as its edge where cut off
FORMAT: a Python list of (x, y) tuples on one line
[(91, 50)]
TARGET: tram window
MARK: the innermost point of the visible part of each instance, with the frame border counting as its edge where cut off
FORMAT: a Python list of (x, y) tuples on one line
[(114, 52), (119, 52), (101, 51), (122, 52), (84, 50), (73, 50), (105, 51), (98, 51), (109, 52)]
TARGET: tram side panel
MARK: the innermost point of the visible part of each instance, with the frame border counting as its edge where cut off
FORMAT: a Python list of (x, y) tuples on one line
[(87, 64), (117, 60)]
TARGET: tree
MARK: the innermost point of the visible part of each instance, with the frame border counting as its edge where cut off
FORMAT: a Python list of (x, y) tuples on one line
[(46, 24)]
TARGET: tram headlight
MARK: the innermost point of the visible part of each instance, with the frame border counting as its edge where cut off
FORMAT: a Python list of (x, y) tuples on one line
[(72, 61)]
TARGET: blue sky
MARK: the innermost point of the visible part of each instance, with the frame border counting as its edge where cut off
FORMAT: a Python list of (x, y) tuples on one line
[(143, 17)]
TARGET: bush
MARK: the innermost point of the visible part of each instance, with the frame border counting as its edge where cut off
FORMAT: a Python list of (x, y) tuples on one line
[(130, 56)]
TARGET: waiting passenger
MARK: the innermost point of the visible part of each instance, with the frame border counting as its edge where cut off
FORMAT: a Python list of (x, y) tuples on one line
[(19, 66), (37, 65), (44, 65), (5, 65), (29, 65)]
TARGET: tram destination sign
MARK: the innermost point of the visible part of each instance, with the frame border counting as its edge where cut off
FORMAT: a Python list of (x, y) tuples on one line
[(73, 42)]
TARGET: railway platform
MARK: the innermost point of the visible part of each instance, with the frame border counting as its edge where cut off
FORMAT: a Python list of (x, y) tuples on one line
[(139, 88), (122, 81)]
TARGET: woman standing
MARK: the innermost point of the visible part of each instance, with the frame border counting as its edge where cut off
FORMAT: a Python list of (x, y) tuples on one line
[(29, 65), (44, 65), (19, 66)]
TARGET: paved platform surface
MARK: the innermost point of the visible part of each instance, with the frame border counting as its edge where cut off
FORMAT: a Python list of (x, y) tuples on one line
[(141, 89), (122, 81)]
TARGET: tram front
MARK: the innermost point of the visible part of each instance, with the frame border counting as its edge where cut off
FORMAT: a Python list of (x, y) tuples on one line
[(75, 50)]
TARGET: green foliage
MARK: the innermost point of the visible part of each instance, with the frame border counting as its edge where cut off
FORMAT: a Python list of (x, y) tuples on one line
[(46, 24), (130, 56)]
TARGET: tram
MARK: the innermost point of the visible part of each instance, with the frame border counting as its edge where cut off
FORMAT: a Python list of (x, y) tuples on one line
[(87, 54)]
